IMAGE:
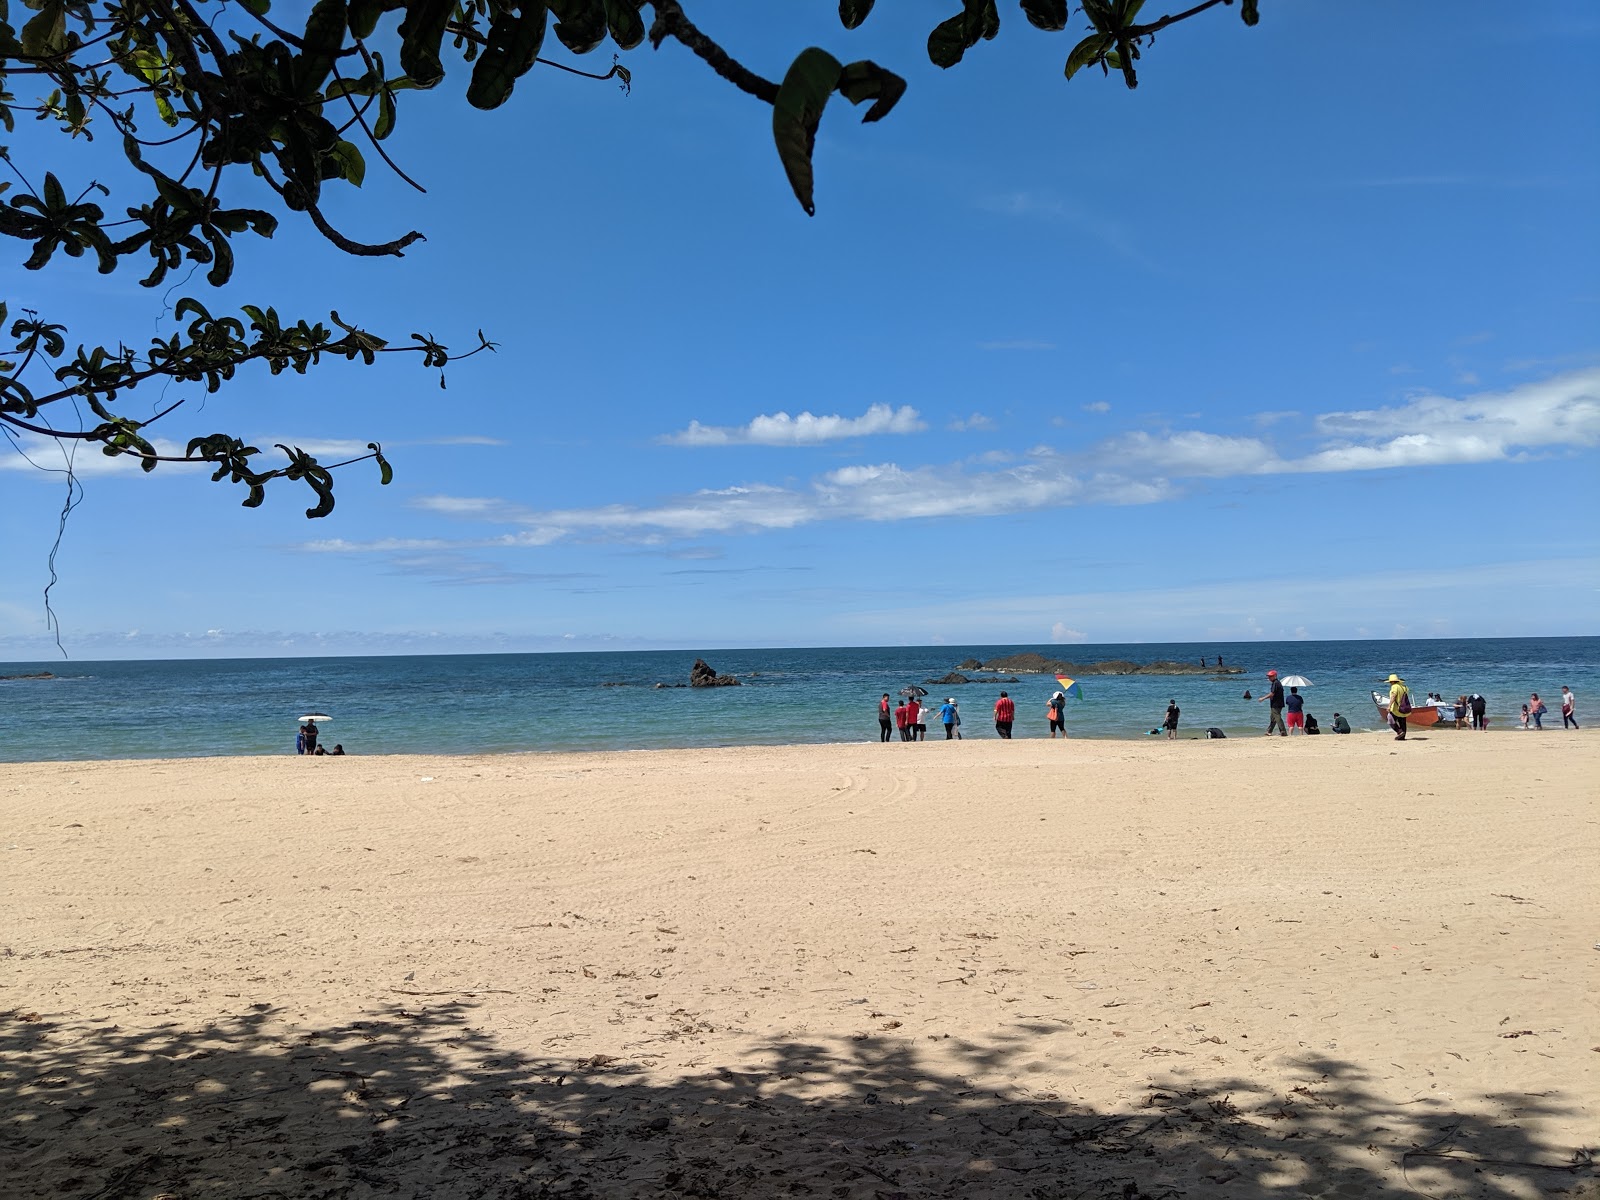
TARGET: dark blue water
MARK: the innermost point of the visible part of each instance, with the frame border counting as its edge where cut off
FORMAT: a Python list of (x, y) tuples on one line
[(460, 704)]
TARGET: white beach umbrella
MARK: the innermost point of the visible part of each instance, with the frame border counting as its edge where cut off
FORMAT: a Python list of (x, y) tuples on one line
[(1295, 681), (318, 717)]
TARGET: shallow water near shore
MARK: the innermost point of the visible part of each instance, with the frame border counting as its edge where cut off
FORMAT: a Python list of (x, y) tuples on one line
[(504, 703)]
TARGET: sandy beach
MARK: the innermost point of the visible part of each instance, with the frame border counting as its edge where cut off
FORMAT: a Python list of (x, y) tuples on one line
[(1332, 966)]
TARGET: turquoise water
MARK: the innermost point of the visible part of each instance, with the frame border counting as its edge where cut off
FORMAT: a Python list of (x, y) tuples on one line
[(459, 704)]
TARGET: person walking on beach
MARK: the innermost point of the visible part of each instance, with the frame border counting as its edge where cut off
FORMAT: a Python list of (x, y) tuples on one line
[(1295, 716), (1056, 710), (947, 715), (900, 721), (1171, 722), (885, 718), (1569, 708), (1005, 712), (1399, 706), (1275, 705), (1537, 710)]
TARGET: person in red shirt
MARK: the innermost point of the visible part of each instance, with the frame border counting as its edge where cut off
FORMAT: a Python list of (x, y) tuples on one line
[(913, 713), (885, 718), (1005, 712), (900, 721)]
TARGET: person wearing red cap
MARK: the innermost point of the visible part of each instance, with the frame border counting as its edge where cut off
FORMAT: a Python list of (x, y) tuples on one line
[(1275, 695)]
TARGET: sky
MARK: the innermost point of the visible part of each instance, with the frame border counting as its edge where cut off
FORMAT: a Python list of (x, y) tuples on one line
[(1301, 339)]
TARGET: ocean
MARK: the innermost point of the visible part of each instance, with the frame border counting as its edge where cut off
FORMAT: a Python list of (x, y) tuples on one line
[(510, 703)]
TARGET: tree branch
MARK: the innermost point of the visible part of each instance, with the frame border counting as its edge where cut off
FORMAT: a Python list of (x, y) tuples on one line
[(671, 22)]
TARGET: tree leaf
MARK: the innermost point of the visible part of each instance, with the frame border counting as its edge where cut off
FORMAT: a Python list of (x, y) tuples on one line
[(1091, 49), (581, 24), (352, 166), (866, 80), (627, 27), (1250, 10), (514, 41), (948, 41), (853, 12), (324, 37), (796, 113), (420, 35), (1049, 15)]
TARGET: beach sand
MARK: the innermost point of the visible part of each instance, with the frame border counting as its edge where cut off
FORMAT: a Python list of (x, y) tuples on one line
[(1247, 968)]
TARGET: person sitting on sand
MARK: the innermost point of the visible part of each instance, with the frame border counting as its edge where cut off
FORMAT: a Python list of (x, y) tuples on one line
[(320, 751), (337, 749), (1340, 725)]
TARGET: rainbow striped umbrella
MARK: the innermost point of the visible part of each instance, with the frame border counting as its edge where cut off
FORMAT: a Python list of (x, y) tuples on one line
[(1070, 687)]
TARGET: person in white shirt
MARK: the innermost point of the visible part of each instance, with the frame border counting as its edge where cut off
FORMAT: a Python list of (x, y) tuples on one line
[(1569, 708)]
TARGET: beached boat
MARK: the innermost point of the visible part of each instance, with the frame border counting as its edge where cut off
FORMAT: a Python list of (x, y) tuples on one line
[(1421, 715)]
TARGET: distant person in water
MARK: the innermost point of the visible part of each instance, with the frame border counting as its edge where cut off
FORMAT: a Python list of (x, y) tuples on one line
[(336, 751), (1056, 710), (1005, 712), (1219, 660), (1171, 722), (320, 751), (885, 718)]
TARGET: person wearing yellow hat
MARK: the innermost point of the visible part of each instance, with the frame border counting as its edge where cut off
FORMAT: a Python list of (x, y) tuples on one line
[(1399, 706)]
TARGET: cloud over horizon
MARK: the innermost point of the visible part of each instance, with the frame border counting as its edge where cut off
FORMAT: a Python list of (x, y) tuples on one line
[(780, 429)]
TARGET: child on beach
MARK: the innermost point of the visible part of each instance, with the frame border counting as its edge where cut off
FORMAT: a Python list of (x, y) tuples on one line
[(1524, 716)]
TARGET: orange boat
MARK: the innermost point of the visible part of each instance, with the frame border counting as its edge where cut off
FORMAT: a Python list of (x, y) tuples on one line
[(1421, 715)]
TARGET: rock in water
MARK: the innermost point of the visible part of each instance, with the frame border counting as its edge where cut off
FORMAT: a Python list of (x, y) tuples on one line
[(702, 674)]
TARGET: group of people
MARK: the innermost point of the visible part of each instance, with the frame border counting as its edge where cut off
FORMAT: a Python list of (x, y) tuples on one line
[(910, 718), (305, 742), (1474, 708), (1535, 709), (1286, 711)]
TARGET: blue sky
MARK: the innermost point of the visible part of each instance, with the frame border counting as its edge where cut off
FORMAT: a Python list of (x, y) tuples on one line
[(1300, 339)]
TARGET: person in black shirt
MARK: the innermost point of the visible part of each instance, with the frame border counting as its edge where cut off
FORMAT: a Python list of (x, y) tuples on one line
[(1275, 696)]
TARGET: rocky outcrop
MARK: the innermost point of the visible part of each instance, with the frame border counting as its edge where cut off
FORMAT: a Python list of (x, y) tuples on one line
[(702, 674), (1031, 663), (953, 678), (36, 675), (956, 679), (970, 664)]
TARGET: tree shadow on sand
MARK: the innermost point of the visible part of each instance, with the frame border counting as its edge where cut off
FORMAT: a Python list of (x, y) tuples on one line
[(418, 1103)]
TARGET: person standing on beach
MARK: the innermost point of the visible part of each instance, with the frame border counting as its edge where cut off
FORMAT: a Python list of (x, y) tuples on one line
[(1005, 712), (1399, 706), (1569, 708), (1295, 704), (1275, 707), (947, 714), (311, 737), (1537, 710), (885, 718), (900, 720), (1479, 707), (1171, 722), (913, 718)]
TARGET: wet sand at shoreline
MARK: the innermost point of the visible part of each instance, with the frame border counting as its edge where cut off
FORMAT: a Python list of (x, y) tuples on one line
[(1335, 966)]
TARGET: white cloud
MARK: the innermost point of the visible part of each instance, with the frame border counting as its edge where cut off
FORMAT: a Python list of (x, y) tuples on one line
[(780, 429), (1099, 406), (975, 421), (1133, 468), (1060, 634)]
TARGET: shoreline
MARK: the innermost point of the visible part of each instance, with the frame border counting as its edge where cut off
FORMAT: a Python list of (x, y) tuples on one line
[(801, 969)]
